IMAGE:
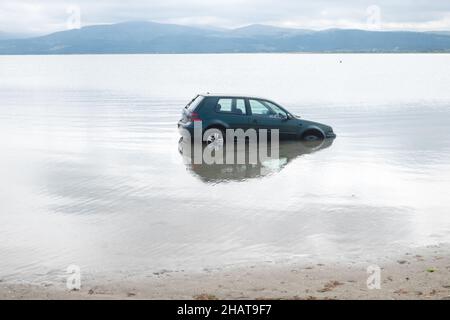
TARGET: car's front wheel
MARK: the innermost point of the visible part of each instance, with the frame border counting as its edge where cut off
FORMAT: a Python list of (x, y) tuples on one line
[(313, 135)]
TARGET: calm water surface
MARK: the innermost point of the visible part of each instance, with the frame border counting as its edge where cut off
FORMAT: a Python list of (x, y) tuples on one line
[(91, 172)]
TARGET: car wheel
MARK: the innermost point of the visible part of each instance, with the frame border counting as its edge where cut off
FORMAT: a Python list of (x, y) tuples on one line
[(312, 136), (214, 136)]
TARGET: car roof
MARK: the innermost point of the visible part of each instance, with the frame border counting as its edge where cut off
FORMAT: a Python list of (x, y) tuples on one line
[(208, 94)]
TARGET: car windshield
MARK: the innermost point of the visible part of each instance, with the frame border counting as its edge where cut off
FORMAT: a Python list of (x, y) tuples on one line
[(194, 103)]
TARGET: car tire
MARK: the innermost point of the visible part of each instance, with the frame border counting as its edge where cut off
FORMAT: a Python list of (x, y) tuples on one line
[(214, 136), (313, 136)]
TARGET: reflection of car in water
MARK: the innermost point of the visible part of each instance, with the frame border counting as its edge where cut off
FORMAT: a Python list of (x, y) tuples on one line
[(220, 112), (239, 171)]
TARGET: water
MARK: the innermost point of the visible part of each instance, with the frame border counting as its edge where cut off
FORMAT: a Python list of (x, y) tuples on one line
[(91, 173)]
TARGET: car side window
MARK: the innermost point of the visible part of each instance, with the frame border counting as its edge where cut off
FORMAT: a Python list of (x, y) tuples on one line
[(259, 108), (224, 105), (240, 106), (231, 105), (275, 108)]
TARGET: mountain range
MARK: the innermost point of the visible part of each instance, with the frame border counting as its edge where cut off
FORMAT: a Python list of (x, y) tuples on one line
[(152, 37)]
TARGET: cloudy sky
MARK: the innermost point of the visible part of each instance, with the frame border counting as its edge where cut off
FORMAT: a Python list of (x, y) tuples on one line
[(44, 16)]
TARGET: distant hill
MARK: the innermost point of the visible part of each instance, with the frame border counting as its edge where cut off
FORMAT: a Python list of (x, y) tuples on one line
[(151, 37), (260, 30), (7, 35)]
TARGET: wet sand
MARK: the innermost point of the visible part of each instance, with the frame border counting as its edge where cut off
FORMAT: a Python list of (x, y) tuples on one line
[(417, 274)]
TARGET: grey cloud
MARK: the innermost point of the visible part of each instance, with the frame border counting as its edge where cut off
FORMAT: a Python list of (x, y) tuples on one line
[(50, 15)]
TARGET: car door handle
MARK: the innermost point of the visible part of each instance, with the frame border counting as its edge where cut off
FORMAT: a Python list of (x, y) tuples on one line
[(255, 121)]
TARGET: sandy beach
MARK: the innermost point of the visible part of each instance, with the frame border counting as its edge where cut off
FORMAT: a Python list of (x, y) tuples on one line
[(417, 274)]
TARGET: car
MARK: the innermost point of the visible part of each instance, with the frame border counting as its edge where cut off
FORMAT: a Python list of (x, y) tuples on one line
[(219, 112)]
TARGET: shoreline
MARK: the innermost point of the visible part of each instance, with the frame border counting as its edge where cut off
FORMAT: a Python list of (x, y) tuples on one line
[(419, 274)]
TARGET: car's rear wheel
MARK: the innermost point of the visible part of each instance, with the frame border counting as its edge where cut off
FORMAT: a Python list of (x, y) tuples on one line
[(214, 136)]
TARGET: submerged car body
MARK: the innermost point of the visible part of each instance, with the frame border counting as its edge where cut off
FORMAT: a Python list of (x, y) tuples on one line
[(221, 112)]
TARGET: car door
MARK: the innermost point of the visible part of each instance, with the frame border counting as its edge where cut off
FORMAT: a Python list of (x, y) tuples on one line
[(233, 112), (289, 127), (266, 115)]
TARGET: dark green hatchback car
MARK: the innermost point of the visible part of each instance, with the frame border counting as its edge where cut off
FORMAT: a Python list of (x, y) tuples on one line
[(220, 112)]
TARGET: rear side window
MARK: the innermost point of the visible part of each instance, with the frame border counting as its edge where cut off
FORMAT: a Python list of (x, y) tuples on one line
[(231, 105), (224, 105)]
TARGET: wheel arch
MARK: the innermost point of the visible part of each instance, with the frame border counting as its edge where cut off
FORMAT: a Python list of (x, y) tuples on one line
[(313, 129), (217, 124)]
